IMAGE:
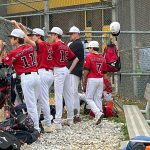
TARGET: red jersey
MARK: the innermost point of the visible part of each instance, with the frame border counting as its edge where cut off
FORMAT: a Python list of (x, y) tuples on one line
[(96, 64), (44, 55), (61, 54), (23, 59)]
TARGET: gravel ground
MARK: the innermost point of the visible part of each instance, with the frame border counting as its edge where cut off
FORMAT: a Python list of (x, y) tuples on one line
[(81, 136)]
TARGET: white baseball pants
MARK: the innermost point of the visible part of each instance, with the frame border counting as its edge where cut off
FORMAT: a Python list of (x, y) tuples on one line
[(94, 91), (31, 89), (47, 79), (82, 96), (74, 90), (62, 89)]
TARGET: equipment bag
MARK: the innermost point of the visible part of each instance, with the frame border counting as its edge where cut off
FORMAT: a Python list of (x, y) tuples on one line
[(8, 124), (9, 141), (25, 123), (21, 122), (138, 143), (25, 136), (112, 58), (20, 109)]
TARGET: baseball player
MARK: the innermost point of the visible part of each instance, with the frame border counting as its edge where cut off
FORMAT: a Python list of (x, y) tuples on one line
[(45, 70), (24, 64), (94, 69), (77, 47), (61, 55)]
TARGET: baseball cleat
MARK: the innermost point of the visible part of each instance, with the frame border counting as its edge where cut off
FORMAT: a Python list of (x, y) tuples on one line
[(77, 119), (98, 118), (57, 126), (67, 122), (48, 129)]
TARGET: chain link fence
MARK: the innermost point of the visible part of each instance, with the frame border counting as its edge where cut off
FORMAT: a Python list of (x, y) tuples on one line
[(82, 13), (134, 47), (85, 14), (5, 30)]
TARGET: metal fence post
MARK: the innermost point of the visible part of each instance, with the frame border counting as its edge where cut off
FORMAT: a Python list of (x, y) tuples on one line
[(114, 18), (114, 10), (46, 16), (133, 44)]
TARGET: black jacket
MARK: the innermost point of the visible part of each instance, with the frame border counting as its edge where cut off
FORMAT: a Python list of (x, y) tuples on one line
[(78, 49)]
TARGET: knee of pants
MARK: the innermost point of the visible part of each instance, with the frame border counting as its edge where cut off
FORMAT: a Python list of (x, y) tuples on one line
[(70, 106), (89, 99), (75, 93)]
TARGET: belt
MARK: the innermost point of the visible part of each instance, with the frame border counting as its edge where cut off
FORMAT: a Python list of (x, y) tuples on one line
[(46, 69), (27, 73)]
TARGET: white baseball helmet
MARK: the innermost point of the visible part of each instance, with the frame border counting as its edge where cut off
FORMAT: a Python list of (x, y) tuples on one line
[(37, 31), (115, 28), (93, 44), (74, 29), (56, 30), (17, 33)]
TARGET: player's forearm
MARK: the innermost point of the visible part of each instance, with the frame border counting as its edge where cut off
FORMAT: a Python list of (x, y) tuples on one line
[(23, 28), (85, 73), (74, 63), (84, 79), (27, 40)]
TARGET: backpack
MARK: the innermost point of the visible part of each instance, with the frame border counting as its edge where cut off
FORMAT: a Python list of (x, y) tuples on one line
[(21, 122), (25, 136), (138, 143), (22, 127), (19, 109), (9, 142), (112, 58), (25, 123)]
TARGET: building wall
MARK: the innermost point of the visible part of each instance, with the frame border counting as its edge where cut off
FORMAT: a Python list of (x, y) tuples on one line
[(21, 8), (90, 18), (3, 10), (82, 19)]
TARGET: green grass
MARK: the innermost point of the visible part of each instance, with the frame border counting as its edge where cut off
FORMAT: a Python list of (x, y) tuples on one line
[(125, 132), (121, 118)]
